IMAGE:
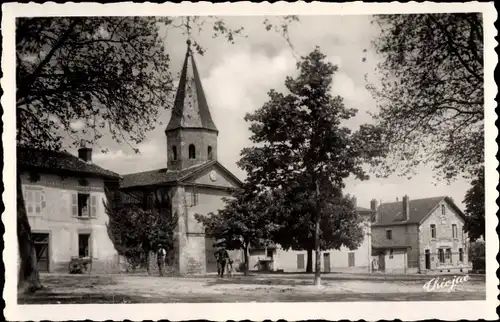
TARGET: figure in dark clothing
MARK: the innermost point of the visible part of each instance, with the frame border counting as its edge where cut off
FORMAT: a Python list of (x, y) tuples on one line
[(160, 257), (222, 257)]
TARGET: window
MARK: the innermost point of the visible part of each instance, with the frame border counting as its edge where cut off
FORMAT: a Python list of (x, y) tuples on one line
[(174, 153), (83, 182), (443, 210), (84, 205), (454, 230), (441, 255), (433, 231), (192, 152), (388, 234), (83, 245), (391, 253), (209, 153), (34, 200), (300, 261), (460, 255), (448, 255)]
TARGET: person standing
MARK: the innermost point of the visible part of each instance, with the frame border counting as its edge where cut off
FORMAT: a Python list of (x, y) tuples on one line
[(222, 257), (160, 257)]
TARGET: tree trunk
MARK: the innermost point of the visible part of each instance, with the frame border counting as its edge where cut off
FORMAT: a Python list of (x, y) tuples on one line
[(246, 257), (317, 274), (309, 266), (29, 279)]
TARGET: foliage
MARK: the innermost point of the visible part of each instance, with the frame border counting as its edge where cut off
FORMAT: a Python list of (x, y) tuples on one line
[(474, 208), (135, 231), (243, 222), (79, 265), (430, 93), (477, 255), (303, 151), (340, 224)]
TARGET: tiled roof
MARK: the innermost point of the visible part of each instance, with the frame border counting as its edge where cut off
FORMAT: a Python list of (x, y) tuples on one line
[(190, 108), (59, 161), (391, 213), (160, 176)]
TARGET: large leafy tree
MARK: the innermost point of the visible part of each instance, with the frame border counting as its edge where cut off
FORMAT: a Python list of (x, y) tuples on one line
[(136, 231), (430, 92), (300, 141), (293, 212), (244, 222), (474, 208), (111, 73)]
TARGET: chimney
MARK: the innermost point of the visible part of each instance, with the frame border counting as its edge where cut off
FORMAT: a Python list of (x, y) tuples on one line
[(354, 201), (84, 153), (373, 207), (406, 208)]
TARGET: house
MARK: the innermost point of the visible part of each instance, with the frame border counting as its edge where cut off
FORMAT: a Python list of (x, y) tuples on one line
[(193, 180), (343, 259), (418, 236), (64, 196)]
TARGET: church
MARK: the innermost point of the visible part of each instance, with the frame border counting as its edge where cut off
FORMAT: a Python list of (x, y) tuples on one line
[(194, 180)]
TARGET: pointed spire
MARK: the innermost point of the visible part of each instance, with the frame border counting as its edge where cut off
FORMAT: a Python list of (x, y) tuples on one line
[(190, 108)]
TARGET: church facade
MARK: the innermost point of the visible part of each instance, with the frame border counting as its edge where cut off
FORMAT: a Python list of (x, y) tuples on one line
[(194, 180)]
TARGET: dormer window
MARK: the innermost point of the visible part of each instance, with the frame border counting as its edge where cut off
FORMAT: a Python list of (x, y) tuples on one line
[(192, 152), (174, 153), (209, 153)]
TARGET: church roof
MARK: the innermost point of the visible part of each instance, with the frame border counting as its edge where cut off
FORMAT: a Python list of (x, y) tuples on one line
[(165, 176), (190, 107)]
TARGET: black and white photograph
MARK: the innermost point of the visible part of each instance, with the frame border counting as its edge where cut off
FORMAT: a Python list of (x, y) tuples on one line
[(333, 155)]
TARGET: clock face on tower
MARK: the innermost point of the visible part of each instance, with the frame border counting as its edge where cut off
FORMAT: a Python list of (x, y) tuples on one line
[(213, 175)]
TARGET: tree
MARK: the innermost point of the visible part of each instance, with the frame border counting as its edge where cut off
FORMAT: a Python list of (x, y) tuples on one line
[(112, 73), (300, 142), (293, 212), (242, 223), (136, 231), (474, 208), (431, 92)]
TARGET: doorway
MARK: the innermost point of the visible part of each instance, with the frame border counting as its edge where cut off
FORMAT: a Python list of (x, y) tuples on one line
[(427, 259), (351, 260), (326, 262), (381, 261), (41, 241)]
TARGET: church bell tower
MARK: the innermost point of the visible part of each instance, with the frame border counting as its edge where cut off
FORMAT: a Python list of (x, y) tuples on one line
[(191, 133)]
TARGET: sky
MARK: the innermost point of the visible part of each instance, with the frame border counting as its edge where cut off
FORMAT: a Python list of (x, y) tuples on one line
[(237, 77)]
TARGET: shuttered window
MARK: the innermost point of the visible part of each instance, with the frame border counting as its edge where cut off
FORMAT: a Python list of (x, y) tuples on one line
[(34, 199)]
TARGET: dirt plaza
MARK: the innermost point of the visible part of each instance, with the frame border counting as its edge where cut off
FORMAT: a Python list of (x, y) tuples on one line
[(336, 287)]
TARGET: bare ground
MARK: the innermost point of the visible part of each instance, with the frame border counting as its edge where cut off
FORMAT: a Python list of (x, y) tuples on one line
[(66, 289)]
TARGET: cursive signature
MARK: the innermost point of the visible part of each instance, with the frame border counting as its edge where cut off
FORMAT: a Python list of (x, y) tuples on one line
[(439, 283)]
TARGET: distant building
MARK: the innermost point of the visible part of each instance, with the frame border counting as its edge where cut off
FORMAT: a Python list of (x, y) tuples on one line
[(193, 179), (341, 260), (64, 196), (419, 235)]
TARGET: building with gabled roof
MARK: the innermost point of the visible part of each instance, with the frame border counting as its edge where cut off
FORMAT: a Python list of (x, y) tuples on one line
[(419, 235), (64, 198), (193, 179)]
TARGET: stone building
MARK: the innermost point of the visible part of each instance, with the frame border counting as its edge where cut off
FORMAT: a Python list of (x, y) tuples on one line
[(419, 235), (193, 179), (64, 196)]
